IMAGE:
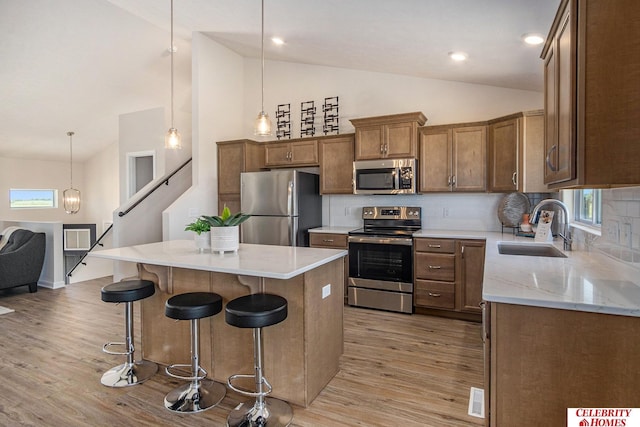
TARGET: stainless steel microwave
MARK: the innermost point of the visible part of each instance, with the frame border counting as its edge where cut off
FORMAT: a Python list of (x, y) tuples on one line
[(385, 176)]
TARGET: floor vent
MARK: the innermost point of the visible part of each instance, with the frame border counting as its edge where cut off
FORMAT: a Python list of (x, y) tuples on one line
[(476, 402)]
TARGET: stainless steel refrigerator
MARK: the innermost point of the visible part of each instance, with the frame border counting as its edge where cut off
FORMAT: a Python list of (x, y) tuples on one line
[(284, 205)]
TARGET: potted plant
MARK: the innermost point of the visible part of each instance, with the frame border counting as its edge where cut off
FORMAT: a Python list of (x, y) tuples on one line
[(203, 235), (225, 233)]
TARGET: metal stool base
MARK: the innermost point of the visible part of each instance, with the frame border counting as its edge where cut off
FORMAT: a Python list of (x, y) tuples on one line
[(190, 399), (274, 413), (129, 374)]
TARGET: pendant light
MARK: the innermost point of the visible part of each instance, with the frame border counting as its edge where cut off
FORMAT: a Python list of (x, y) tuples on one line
[(172, 139), (263, 124), (71, 196)]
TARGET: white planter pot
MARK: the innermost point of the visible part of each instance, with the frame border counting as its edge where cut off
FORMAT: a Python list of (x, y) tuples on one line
[(225, 239), (203, 241)]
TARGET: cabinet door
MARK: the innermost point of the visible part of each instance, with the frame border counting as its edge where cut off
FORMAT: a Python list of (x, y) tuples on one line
[(369, 142), (470, 158), (504, 138), (560, 143), (277, 154), (230, 165), (230, 200), (304, 153), (435, 161), (400, 140), (471, 274), (336, 165)]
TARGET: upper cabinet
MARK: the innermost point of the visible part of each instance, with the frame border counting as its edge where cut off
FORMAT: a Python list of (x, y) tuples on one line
[(302, 152), (592, 100), (235, 157), (516, 149), (336, 164), (453, 158), (393, 136)]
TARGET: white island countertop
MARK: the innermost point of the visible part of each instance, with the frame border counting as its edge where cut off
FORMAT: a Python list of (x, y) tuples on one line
[(584, 281), (275, 262)]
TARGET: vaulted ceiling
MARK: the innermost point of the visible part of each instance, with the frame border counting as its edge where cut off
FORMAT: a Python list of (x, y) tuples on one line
[(78, 64)]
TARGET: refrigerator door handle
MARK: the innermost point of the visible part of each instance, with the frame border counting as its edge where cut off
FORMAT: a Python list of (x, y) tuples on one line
[(290, 198), (293, 238)]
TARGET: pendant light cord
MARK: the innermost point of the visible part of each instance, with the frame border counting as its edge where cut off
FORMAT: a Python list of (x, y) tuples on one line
[(70, 158), (171, 48), (262, 50)]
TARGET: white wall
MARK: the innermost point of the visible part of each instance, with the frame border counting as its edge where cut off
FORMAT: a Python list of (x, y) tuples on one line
[(103, 186), (217, 115)]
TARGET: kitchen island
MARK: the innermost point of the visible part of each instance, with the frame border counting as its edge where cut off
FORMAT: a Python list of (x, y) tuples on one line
[(301, 354)]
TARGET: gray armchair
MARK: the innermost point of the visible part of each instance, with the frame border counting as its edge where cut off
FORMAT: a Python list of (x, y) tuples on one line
[(21, 259)]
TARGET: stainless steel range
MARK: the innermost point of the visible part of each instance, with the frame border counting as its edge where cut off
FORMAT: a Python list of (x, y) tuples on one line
[(381, 259)]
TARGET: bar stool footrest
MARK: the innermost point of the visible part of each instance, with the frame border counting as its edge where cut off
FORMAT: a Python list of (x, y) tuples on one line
[(105, 349), (201, 371), (244, 391)]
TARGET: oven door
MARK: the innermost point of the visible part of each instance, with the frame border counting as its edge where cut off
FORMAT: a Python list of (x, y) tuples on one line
[(384, 259)]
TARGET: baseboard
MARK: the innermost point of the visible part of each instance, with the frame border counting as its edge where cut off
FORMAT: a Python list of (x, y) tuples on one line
[(51, 285)]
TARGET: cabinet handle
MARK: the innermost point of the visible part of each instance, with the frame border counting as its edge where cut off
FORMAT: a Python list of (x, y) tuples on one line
[(386, 148), (449, 180), (327, 240), (484, 334), (434, 267), (513, 179), (434, 295), (453, 180), (435, 246), (551, 150), (381, 148)]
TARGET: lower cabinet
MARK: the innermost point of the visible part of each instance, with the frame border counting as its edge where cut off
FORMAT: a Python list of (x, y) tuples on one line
[(448, 274), (545, 360), (333, 241)]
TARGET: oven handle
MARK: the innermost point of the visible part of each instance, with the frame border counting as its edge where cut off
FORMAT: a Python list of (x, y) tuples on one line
[(381, 240)]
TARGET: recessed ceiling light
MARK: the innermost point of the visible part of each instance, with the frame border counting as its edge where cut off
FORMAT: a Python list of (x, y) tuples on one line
[(533, 38), (277, 40), (458, 56)]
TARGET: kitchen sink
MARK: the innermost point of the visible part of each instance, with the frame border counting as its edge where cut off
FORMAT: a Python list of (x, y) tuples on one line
[(530, 249)]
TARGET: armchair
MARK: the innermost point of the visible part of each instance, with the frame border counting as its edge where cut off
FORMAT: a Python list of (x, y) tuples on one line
[(21, 259)]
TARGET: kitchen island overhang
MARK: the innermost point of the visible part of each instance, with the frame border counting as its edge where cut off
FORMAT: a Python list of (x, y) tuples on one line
[(301, 354)]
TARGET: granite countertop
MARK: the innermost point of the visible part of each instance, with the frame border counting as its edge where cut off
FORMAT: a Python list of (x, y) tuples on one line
[(276, 262), (584, 281)]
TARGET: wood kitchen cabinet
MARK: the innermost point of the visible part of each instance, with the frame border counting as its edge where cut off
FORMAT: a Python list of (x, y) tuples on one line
[(336, 164), (545, 360), (448, 274), (516, 149), (333, 241), (393, 136), (592, 96), (302, 152), (453, 158), (235, 157)]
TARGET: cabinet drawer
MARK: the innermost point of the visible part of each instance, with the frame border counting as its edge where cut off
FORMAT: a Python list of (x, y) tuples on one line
[(328, 240), (434, 294), (435, 245), (435, 266)]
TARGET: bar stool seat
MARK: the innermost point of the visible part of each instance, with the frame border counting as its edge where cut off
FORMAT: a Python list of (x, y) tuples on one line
[(257, 311), (200, 393), (130, 372)]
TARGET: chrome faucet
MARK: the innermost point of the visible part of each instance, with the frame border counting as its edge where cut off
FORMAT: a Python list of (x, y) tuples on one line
[(566, 235)]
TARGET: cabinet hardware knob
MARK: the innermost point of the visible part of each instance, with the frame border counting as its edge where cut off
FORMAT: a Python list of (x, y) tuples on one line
[(449, 180), (431, 294), (513, 179), (453, 179), (551, 166), (434, 267)]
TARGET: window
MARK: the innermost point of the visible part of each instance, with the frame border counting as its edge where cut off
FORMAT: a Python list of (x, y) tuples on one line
[(587, 206), (33, 199)]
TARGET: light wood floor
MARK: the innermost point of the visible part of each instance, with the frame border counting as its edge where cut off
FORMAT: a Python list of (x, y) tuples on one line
[(397, 370)]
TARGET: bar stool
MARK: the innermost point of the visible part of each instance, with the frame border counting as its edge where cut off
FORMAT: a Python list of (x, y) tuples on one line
[(200, 393), (257, 311), (130, 372)]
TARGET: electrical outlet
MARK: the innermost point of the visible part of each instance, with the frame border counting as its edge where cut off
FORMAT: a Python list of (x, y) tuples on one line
[(347, 211), (326, 291), (625, 235), (445, 212)]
